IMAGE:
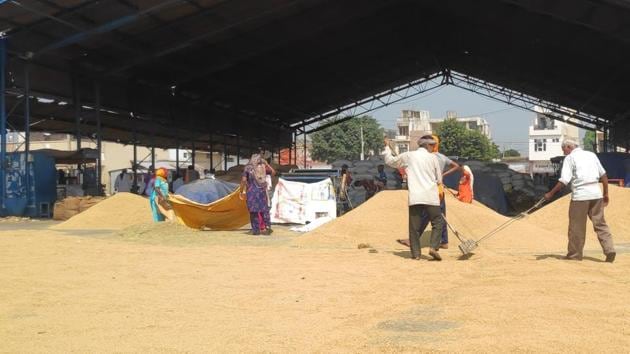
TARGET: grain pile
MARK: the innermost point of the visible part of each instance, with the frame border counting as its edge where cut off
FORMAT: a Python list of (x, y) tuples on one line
[(116, 212), (384, 218), (71, 206), (555, 216)]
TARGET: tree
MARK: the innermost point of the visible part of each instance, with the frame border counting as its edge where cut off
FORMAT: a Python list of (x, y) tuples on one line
[(590, 141), (456, 140), (343, 141), (511, 153)]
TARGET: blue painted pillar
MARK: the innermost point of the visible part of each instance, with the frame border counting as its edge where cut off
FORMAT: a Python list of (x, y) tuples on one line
[(27, 133), (3, 125), (99, 137)]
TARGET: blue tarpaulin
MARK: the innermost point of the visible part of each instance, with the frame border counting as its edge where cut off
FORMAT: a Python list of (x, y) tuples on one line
[(207, 190), (487, 188)]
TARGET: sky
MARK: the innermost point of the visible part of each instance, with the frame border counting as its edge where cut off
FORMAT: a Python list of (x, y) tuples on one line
[(509, 125)]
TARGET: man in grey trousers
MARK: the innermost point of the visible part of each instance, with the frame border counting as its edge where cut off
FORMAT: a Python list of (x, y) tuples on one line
[(423, 176), (583, 171)]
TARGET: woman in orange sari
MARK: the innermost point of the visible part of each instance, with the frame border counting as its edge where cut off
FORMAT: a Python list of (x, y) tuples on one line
[(466, 183)]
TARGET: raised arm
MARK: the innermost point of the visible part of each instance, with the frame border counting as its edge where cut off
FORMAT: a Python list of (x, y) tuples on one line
[(391, 160)]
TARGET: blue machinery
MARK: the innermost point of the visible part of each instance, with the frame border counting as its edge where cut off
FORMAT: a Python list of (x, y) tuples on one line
[(27, 180), (3, 124)]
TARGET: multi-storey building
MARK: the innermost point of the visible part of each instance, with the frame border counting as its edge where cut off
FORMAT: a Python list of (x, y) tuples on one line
[(411, 125), (471, 123), (545, 139)]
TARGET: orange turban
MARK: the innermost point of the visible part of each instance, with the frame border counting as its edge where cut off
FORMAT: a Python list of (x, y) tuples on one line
[(436, 148), (161, 172)]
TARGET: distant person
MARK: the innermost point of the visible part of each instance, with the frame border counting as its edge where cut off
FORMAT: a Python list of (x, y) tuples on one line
[(254, 187), (345, 180), (177, 182), (123, 182), (61, 176), (423, 177), (369, 185), (210, 173), (381, 178), (146, 178), (583, 171), (150, 183), (159, 194), (191, 174), (465, 191), (397, 178), (267, 157), (403, 176)]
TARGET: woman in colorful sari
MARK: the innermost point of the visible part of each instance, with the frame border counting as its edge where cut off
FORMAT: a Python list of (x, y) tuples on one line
[(254, 184), (159, 192)]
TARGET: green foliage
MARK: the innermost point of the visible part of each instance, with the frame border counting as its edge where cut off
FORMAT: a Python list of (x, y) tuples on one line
[(589, 140), (456, 140), (343, 141), (511, 153)]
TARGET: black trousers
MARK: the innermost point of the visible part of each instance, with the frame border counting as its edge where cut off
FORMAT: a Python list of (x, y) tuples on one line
[(415, 221)]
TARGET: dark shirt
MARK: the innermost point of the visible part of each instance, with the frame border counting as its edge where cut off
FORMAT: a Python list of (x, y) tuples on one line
[(382, 177)]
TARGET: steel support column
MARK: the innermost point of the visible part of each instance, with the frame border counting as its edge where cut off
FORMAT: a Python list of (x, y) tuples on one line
[(304, 146), (210, 148), (27, 131), (176, 158), (99, 138), (153, 155), (3, 123), (194, 151), (295, 148), (225, 156), (76, 100), (134, 185), (238, 150), (291, 150)]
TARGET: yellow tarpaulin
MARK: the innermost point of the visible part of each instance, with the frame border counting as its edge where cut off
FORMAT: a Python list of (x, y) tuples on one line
[(227, 213)]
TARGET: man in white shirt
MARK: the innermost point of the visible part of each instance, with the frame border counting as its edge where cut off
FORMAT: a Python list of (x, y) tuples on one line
[(123, 182), (423, 176), (583, 171)]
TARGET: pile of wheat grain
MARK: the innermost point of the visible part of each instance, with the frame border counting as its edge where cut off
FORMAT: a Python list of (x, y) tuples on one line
[(116, 212)]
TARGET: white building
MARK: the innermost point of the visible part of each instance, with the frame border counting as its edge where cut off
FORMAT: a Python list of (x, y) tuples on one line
[(545, 139), (411, 124), (471, 123)]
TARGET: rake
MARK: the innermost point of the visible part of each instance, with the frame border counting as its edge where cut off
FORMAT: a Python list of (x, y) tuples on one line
[(467, 246)]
